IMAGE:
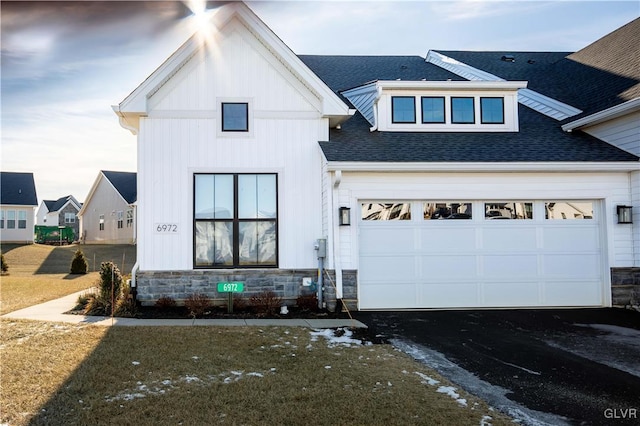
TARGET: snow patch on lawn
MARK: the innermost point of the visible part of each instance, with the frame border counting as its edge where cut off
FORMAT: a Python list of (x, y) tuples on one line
[(337, 337)]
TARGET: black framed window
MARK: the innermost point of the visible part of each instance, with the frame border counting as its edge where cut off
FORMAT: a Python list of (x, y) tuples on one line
[(462, 110), (492, 110), (235, 220), (403, 109), (432, 109), (235, 117)]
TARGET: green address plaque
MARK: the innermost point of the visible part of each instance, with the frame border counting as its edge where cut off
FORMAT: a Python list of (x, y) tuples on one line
[(231, 287)]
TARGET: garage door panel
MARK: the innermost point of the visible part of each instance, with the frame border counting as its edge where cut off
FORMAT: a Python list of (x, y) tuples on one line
[(577, 293), (379, 240), (389, 295), (389, 267), (511, 267), (585, 266), (571, 238), (503, 236), (436, 239), (511, 293), (435, 268), (449, 295)]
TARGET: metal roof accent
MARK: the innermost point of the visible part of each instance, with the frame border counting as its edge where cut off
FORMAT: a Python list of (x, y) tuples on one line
[(534, 100), (363, 99)]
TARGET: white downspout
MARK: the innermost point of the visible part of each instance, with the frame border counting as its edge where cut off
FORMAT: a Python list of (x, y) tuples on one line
[(337, 264), (135, 269)]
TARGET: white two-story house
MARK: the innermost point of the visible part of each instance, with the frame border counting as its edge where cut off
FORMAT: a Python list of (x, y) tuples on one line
[(434, 183)]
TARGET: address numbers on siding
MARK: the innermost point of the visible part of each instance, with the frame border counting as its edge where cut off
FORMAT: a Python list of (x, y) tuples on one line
[(165, 228)]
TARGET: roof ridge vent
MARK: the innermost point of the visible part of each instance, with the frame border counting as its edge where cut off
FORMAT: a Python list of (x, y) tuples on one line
[(508, 58)]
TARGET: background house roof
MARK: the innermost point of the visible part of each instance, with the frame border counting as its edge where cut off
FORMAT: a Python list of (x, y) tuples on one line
[(125, 183), (18, 189), (55, 205)]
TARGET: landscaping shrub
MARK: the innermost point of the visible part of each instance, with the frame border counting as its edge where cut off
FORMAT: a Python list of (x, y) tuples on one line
[(197, 304), (265, 303), (125, 305), (79, 264), (308, 302), (165, 302), (109, 287), (5, 267), (82, 301)]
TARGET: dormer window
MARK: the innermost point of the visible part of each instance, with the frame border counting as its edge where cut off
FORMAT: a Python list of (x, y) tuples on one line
[(492, 110), (462, 110), (432, 109), (403, 109), (235, 117)]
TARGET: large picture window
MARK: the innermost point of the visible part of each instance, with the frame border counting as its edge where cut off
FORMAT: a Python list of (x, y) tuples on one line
[(235, 220)]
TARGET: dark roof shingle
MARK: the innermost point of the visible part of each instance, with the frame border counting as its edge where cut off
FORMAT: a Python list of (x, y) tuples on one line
[(18, 189), (125, 183)]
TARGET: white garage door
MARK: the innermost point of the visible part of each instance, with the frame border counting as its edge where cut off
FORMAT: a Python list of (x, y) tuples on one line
[(471, 254)]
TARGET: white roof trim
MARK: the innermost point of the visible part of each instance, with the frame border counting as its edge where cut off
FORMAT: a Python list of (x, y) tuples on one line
[(135, 104), (426, 167), (534, 100), (604, 115), (451, 85)]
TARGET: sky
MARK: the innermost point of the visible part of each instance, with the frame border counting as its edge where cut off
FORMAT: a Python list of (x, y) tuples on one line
[(64, 64)]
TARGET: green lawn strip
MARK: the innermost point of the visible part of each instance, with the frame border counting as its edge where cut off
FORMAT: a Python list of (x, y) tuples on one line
[(248, 375)]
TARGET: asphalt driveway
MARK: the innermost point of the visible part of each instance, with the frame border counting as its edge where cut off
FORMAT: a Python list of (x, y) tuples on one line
[(578, 366)]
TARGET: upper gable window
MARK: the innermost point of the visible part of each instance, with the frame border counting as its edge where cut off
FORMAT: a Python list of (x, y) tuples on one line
[(235, 117), (492, 110), (462, 110), (403, 109), (432, 109)]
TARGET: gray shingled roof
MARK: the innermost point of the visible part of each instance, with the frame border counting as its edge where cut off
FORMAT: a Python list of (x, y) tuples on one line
[(555, 74), (17, 189), (55, 205), (602, 75), (540, 139), (125, 183)]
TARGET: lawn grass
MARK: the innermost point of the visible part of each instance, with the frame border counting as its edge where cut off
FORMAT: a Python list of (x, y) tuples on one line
[(39, 273), (72, 374)]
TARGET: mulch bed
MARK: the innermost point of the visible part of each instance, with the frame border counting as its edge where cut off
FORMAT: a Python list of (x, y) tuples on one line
[(181, 312)]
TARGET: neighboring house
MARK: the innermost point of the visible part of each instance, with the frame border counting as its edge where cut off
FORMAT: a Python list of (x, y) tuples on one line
[(108, 216), (60, 212), (18, 201), (251, 157)]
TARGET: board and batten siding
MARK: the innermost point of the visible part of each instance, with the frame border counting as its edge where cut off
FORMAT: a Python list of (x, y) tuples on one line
[(610, 188), (623, 132), (635, 201), (181, 136)]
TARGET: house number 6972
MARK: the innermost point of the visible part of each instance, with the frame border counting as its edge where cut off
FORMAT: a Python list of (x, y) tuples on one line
[(166, 228)]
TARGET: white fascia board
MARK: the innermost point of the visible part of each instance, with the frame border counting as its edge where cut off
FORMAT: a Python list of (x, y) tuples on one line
[(452, 85), (534, 100), (332, 105), (604, 115), (515, 167)]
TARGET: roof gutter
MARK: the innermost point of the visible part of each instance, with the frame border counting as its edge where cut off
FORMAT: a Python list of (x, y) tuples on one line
[(604, 115), (123, 120), (477, 167)]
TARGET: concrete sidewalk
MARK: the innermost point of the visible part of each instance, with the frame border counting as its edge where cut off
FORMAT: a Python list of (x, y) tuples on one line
[(53, 311)]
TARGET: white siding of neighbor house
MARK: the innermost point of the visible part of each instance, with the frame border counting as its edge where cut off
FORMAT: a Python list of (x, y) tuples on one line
[(108, 202), (623, 132), (17, 235), (181, 137), (610, 188)]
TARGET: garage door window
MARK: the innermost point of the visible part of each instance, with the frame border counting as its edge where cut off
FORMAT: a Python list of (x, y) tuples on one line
[(573, 210), (508, 210), (386, 211), (447, 210)]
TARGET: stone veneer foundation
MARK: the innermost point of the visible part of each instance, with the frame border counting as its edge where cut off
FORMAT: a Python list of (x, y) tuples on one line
[(286, 283), (625, 286)]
